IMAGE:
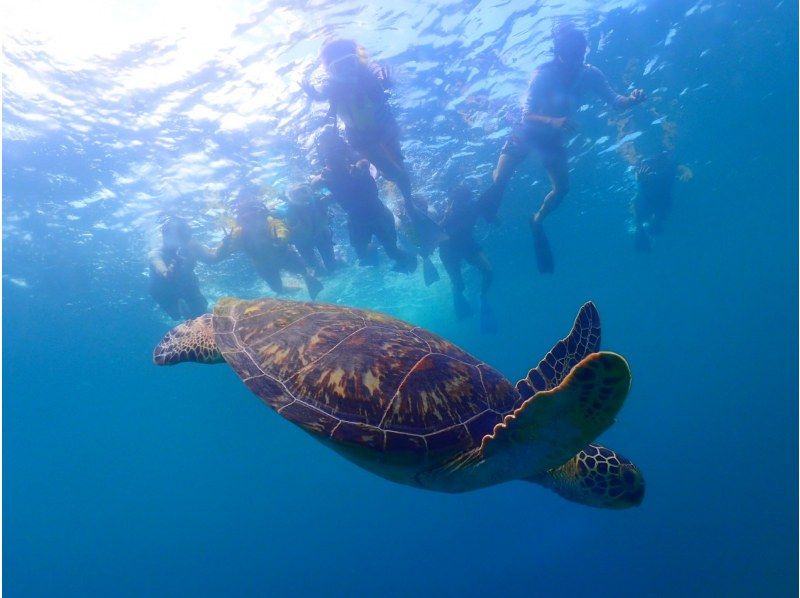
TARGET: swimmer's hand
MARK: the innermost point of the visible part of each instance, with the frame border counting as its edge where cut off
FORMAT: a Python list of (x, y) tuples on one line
[(637, 96), (311, 91)]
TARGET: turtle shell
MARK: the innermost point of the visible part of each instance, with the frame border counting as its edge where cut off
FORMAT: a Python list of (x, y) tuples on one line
[(360, 377)]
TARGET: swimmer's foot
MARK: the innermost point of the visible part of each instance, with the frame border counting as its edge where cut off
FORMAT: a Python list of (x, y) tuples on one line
[(462, 308), (544, 255), (429, 272), (488, 321)]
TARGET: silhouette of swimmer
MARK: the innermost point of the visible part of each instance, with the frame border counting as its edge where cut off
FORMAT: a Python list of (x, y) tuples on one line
[(459, 224), (655, 178), (172, 279), (553, 98), (356, 91), (265, 239), (352, 187), (309, 228)]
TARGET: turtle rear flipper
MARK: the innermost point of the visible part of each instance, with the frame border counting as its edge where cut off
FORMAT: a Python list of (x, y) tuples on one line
[(191, 341), (553, 425), (598, 477)]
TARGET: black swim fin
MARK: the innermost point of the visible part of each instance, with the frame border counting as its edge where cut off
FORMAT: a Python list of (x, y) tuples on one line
[(429, 272), (544, 255)]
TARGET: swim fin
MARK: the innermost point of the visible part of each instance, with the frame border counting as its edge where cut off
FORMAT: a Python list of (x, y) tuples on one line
[(429, 272), (544, 255)]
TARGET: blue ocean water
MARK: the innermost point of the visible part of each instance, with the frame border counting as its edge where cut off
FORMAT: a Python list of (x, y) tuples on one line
[(121, 478)]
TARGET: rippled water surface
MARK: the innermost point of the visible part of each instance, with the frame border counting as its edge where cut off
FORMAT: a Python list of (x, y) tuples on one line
[(125, 479)]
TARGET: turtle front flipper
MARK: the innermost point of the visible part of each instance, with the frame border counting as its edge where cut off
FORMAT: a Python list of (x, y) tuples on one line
[(583, 340), (553, 425), (598, 477), (191, 341)]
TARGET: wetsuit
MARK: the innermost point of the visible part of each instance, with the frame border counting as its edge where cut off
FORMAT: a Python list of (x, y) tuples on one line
[(459, 224), (309, 232), (362, 104), (354, 189), (655, 178), (178, 293)]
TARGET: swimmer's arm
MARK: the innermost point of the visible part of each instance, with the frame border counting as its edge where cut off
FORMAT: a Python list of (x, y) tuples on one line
[(227, 246), (206, 255), (312, 92), (598, 82)]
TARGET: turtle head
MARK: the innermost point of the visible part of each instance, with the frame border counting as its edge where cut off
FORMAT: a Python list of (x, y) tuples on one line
[(191, 341), (597, 477)]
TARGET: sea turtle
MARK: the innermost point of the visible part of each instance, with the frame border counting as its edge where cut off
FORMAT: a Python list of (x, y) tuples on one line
[(414, 408)]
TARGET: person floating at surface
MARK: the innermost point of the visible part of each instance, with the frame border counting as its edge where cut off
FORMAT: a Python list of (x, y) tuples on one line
[(357, 93), (309, 229), (552, 99), (459, 223), (655, 178), (352, 187), (173, 282), (266, 240)]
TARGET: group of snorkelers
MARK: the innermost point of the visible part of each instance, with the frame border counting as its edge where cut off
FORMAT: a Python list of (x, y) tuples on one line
[(301, 241)]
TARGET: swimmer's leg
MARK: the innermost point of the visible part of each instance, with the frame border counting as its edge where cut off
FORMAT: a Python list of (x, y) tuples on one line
[(512, 154), (481, 262), (386, 232), (325, 248), (360, 237), (296, 264), (555, 163), (452, 265)]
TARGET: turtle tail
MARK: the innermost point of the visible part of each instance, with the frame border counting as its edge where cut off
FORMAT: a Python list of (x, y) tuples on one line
[(191, 341), (597, 477)]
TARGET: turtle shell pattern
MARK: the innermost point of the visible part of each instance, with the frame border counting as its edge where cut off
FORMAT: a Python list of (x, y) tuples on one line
[(360, 377)]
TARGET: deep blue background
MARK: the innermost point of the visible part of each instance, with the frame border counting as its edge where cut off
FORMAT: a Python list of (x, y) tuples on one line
[(125, 479)]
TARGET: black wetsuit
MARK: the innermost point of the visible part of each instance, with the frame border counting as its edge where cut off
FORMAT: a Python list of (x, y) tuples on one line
[(656, 180), (459, 224), (354, 189), (310, 232), (178, 293)]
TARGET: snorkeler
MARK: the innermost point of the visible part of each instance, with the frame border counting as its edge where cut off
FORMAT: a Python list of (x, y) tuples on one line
[(266, 240), (352, 187), (356, 91), (173, 282), (655, 178), (309, 230), (552, 99), (459, 223)]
